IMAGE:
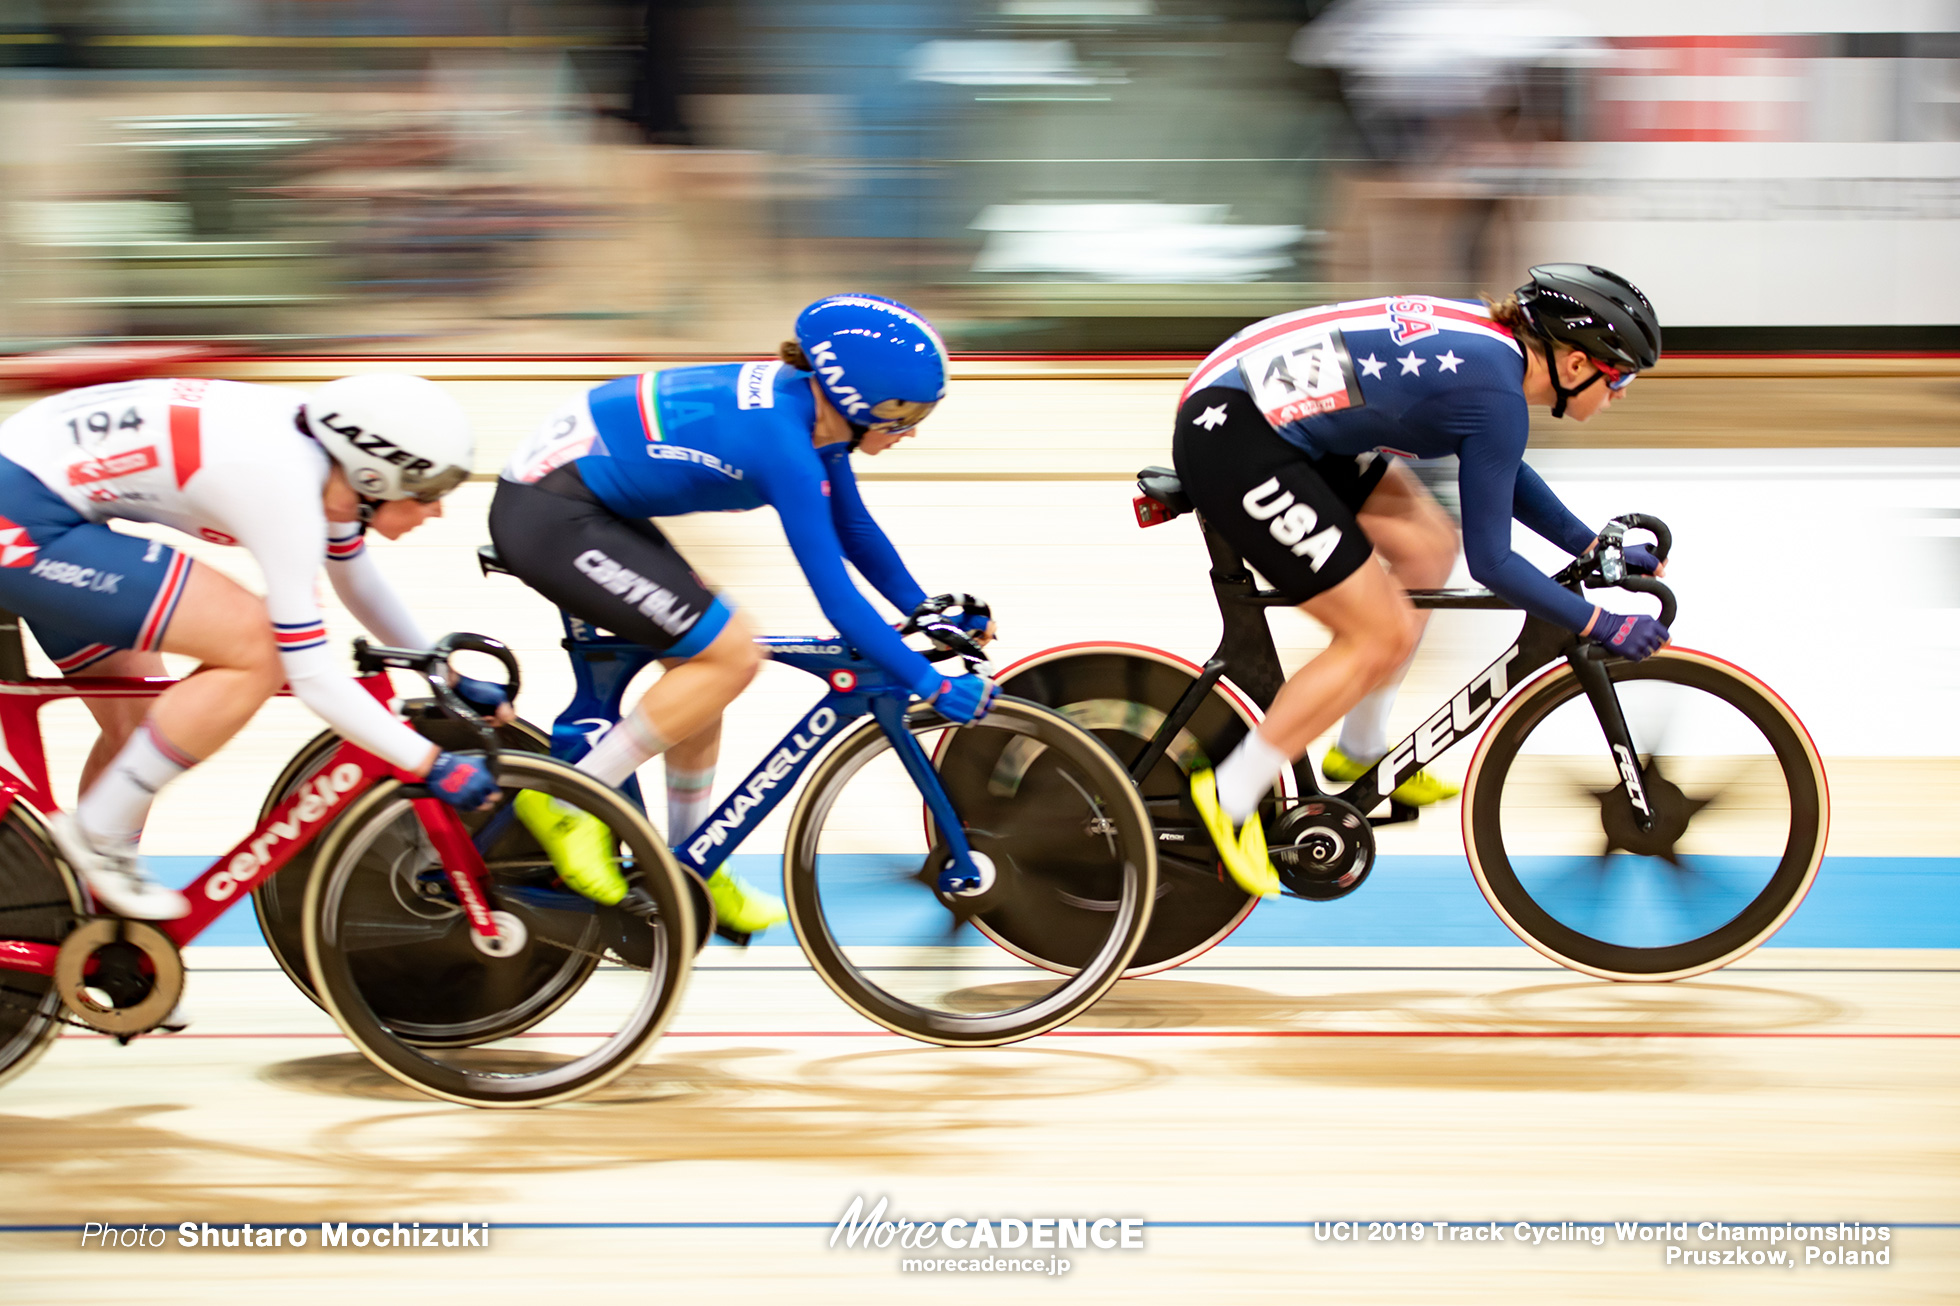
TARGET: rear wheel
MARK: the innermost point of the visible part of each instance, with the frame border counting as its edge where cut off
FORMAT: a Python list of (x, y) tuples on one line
[(572, 1004), (1739, 818), (39, 903), (1121, 694)]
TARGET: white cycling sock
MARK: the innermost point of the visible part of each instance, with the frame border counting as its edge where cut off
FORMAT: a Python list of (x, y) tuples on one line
[(621, 751), (118, 803), (690, 798), (1247, 776), (1364, 730)]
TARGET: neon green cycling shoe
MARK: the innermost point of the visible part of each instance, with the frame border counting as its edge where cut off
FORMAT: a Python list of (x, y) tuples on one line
[(578, 843), (742, 907), (1244, 853), (1420, 790)]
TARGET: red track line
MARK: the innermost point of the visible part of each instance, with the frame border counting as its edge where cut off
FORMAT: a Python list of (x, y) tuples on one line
[(1184, 1033)]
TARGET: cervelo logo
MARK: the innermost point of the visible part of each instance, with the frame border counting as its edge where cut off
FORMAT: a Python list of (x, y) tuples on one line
[(1263, 504), (371, 442), (733, 814), (317, 797), (121, 464), (755, 385), (1450, 724)]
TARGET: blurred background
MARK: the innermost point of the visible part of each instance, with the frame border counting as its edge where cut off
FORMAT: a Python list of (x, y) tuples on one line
[(538, 177)]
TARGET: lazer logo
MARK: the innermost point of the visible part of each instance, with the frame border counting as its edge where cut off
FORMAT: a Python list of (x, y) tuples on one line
[(657, 604), (82, 578), (1443, 730), (1630, 772), (1290, 523), (317, 797), (832, 372), (381, 447), (734, 814)]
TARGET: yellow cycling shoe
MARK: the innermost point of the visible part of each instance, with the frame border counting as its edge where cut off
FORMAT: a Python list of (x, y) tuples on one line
[(578, 843), (742, 907), (1419, 790), (1244, 853)]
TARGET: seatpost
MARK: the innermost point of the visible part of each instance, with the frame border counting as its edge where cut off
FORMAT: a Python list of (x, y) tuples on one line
[(1246, 643)]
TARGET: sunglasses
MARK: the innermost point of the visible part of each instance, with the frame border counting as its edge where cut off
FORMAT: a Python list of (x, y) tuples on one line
[(899, 415), (431, 487), (1616, 378)]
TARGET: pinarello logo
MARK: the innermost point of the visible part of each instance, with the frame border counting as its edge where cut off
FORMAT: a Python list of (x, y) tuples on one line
[(16, 545), (843, 681)]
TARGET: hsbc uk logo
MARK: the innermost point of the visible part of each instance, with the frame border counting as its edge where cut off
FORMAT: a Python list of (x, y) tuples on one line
[(17, 547)]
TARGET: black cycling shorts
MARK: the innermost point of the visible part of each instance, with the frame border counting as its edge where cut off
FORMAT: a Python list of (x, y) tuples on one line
[(617, 573), (1289, 514)]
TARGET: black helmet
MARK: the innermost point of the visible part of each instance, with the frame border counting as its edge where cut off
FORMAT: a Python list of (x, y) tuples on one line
[(1596, 312)]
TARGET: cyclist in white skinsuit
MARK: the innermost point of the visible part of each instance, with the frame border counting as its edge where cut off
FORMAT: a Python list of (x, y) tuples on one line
[(295, 479)]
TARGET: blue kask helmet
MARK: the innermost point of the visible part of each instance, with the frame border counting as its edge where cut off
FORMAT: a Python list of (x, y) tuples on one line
[(879, 363)]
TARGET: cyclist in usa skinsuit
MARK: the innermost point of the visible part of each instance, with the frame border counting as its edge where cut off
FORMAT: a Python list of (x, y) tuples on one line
[(571, 514), (1286, 442)]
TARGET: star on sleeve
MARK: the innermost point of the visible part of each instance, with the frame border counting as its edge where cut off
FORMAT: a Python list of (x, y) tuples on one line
[(1371, 366), (1411, 364), (1449, 362)]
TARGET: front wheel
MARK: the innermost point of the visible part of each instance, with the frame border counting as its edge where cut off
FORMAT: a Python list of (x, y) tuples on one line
[(1059, 834), (1739, 807), (39, 903), (570, 999)]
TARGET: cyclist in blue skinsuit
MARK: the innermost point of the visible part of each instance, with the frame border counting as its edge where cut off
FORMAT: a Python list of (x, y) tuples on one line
[(570, 518), (1286, 441)]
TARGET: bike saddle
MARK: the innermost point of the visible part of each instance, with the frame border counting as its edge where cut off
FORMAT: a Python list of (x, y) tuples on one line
[(1161, 489), (486, 558)]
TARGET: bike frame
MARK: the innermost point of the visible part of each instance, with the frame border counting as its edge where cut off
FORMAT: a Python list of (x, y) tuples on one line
[(1246, 651), (289, 827), (603, 665)]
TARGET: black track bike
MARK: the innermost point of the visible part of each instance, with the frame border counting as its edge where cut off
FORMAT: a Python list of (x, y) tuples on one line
[(1635, 821)]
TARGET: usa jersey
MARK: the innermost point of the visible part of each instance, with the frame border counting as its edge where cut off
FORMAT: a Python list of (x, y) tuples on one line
[(1415, 377)]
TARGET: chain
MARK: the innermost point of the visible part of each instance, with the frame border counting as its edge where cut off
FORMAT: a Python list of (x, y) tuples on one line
[(12, 997)]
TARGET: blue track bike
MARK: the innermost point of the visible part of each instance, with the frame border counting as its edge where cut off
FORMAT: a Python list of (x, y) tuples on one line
[(967, 885)]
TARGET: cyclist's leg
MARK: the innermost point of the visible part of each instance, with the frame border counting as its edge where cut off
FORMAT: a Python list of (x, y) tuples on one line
[(116, 718), (691, 777), (1419, 542)]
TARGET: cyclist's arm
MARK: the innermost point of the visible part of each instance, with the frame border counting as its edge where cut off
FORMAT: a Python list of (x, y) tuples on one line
[(366, 592), (799, 501), (865, 543), (1545, 513), (285, 529), (1488, 474)]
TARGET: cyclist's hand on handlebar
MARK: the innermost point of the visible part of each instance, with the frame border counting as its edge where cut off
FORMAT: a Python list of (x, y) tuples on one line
[(962, 612), (1642, 561), (964, 699), (1633, 638), (465, 783), (486, 696)]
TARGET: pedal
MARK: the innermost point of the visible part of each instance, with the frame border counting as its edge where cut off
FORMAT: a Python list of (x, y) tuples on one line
[(736, 937), (1398, 812)]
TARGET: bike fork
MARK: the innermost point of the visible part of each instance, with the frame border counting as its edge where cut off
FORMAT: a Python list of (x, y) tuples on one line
[(961, 873), (461, 862), (1593, 678)]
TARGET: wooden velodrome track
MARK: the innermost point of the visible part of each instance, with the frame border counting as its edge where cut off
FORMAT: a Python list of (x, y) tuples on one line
[(1407, 1065)]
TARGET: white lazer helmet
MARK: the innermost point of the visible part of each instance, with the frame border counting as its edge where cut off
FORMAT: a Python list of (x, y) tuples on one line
[(396, 437)]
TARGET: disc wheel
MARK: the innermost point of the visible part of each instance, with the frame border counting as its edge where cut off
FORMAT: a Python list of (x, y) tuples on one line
[(39, 903), (1121, 694), (280, 902), (1740, 812), (1063, 844), (402, 971)]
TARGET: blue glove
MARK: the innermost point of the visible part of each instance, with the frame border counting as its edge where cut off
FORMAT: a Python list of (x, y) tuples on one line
[(486, 696), (463, 782), (1641, 559), (1633, 638), (965, 699)]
